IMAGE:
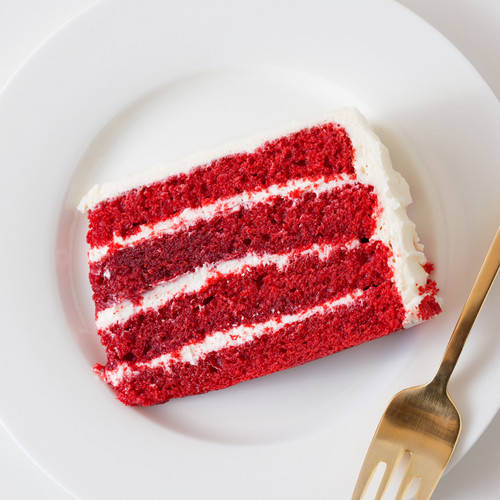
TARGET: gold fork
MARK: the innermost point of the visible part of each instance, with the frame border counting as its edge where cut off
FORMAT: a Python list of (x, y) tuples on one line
[(423, 421)]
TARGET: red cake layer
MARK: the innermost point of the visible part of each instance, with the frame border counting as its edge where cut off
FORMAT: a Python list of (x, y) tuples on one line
[(378, 313), (255, 296), (429, 307), (321, 151), (277, 226)]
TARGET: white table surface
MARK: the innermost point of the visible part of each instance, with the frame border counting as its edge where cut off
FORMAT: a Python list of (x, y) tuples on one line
[(472, 26)]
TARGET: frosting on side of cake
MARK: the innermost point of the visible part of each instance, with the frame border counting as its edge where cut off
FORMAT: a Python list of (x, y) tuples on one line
[(374, 167)]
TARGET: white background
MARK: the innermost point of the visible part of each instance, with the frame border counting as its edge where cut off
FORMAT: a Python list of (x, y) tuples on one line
[(472, 26)]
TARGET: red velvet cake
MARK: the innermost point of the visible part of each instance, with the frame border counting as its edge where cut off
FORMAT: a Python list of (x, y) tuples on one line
[(256, 257)]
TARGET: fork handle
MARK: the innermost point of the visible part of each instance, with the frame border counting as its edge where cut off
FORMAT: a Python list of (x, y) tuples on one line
[(470, 311)]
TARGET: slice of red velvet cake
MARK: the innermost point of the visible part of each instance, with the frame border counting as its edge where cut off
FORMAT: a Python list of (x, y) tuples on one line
[(253, 258)]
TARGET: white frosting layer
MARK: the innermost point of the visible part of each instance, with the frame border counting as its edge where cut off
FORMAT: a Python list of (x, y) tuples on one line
[(192, 353), (198, 279), (190, 216)]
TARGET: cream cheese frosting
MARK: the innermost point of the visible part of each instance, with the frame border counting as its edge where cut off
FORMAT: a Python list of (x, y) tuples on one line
[(192, 353), (196, 280), (191, 216)]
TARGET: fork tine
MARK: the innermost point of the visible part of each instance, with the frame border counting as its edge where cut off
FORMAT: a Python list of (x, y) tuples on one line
[(426, 488), (428, 480), (365, 476), (372, 460), (406, 481), (392, 463)]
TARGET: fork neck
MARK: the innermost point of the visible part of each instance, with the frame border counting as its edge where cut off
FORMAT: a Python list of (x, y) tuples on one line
[(459, 337), (469, 313)]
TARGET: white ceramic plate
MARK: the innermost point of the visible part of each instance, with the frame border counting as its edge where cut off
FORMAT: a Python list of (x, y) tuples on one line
[(129, 83)]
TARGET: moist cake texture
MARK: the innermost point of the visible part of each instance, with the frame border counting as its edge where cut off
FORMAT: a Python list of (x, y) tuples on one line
[(256, 257)]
